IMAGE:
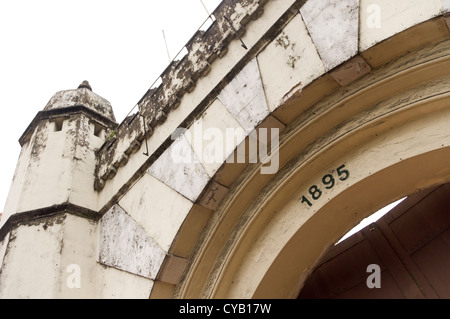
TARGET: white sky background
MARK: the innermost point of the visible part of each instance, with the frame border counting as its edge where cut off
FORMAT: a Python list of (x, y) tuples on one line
[(52, 45), (371, 219)]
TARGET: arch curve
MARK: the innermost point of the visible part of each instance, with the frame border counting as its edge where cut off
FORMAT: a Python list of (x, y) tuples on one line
[(387, 131)]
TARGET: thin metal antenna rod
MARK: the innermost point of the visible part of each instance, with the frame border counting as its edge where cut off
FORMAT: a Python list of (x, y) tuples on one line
[(206, 9), (167, 48)]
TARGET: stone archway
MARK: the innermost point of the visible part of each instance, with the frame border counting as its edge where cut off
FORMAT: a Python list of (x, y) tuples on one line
[(363, 114), (380, 139)]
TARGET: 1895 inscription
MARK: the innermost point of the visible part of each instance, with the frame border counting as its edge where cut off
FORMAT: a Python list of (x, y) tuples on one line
[(328, 182)]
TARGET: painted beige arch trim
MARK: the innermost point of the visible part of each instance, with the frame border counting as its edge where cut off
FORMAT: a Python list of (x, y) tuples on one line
[(406, 75), (275, 239), (292, 265)]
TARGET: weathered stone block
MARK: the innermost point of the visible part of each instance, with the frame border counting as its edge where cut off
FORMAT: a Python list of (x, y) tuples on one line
[(333, 26), (244, 97), (289, 61), (179, 168), (159, 209), (381, 19), (126, 246), (214, 136)]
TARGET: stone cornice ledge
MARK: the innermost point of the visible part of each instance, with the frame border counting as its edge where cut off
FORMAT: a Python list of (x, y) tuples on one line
[(43, 214)]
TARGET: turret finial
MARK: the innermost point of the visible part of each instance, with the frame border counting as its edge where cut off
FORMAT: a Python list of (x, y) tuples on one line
[(85, 85)]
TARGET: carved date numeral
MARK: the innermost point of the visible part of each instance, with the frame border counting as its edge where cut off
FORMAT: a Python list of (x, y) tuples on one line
[(329, 181)]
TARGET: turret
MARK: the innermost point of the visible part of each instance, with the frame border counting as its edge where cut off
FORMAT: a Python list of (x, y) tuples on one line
[(48, 232), (57, 161)]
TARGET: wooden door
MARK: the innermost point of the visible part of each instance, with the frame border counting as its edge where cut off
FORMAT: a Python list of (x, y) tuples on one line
[(411, 245)]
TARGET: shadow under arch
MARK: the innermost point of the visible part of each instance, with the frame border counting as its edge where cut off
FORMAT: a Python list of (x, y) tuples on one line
[(402, 255)]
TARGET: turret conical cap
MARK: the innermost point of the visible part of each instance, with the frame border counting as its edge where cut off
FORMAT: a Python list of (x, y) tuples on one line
[(82, 96)]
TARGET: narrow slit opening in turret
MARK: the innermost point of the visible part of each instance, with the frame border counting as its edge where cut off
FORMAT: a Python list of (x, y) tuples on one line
[(98, 130), (58, 124)]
